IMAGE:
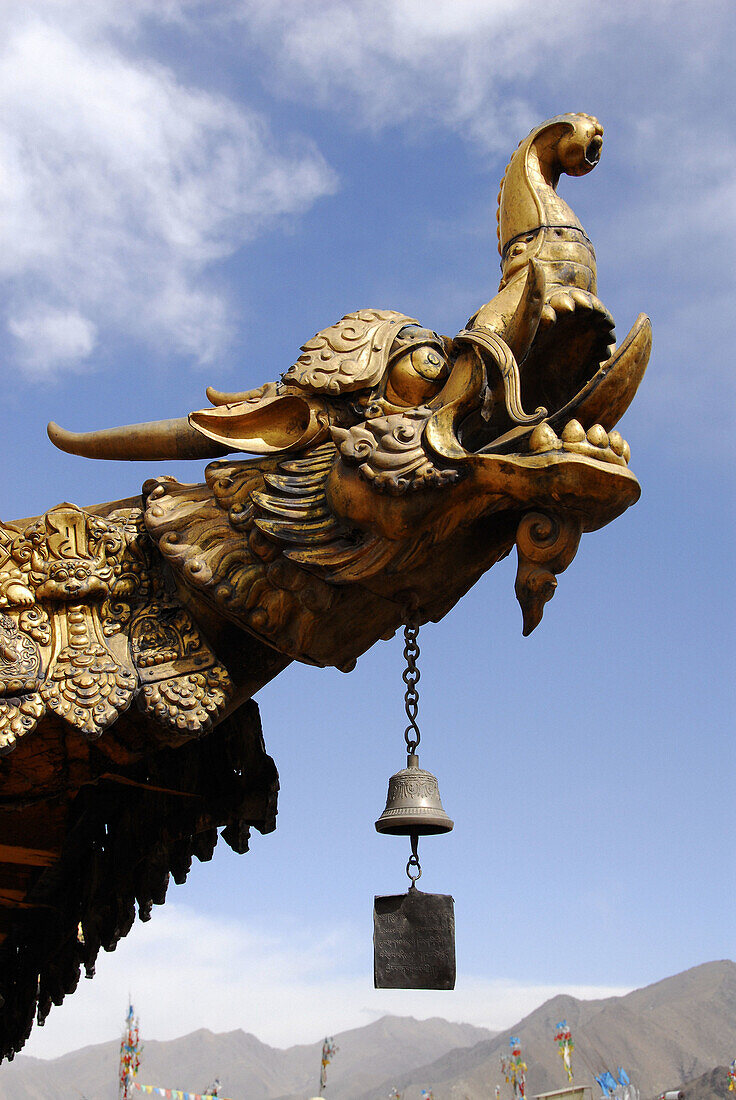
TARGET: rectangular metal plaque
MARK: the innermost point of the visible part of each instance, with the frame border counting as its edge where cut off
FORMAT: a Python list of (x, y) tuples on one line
[(414, 941)]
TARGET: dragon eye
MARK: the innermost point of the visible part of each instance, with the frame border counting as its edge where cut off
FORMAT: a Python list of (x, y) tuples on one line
[(416, 376)]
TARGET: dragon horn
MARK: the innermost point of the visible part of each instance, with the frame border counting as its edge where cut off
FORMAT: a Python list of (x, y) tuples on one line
[(152, 441), (219, 397)]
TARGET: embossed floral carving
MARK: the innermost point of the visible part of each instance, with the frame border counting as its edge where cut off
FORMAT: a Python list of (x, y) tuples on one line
[(193, 701), (85, 684), (20, 658), (18, 715), (74, 581)]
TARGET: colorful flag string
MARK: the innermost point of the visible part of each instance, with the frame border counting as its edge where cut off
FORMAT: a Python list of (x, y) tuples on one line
[(175, 1094), (514, 1068), (329, 1050), (129, 1054), (565, 1046), (732, 1076)]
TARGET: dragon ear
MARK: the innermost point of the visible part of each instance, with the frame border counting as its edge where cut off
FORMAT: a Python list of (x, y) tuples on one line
[(267, 423)]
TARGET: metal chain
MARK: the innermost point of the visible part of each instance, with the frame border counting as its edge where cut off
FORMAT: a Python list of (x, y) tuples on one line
[(413, 866), (412, 736), (411, 677)]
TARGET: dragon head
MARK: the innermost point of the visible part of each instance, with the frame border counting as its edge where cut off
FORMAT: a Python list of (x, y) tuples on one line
[(397, 460)]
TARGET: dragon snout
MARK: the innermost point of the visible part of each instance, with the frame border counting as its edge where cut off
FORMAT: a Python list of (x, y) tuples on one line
[(593, 148), (579, 147)]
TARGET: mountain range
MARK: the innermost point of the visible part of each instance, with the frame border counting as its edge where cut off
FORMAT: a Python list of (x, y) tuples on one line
[(248, 1068), (665, 1035)]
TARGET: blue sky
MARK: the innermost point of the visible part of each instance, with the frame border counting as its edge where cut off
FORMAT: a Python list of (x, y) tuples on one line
[(189, 190)]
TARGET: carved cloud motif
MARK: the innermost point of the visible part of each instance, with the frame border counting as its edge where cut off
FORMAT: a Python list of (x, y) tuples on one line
[(350, 355)]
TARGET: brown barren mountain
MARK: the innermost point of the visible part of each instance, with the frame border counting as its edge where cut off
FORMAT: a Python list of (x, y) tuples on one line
[(710, 1086), (248, 1068), (664, 1035)]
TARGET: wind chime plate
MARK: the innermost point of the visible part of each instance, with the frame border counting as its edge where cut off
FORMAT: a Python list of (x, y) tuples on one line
[(414, 941)]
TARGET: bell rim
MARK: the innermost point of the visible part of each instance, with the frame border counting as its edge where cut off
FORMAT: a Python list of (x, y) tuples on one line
[(426, 821), (426, 828)]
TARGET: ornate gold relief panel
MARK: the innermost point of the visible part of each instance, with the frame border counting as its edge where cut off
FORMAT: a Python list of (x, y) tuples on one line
[(87, 626)]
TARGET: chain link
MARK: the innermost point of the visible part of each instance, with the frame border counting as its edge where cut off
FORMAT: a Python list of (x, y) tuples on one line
[(413, 866), (412, 736), (411, 676)]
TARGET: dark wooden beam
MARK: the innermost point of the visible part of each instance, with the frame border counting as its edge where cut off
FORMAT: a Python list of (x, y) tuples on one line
[(27, 857)]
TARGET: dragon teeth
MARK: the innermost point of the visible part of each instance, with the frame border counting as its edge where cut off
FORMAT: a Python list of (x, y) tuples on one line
[(595, 443), (598, 436), (616, 443), (573, 432), (543, 438)]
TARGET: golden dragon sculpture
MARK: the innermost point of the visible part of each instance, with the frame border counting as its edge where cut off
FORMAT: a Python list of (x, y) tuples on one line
[(392, 467)]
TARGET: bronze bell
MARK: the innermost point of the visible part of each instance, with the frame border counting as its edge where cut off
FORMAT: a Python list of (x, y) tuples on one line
[(413, 805)]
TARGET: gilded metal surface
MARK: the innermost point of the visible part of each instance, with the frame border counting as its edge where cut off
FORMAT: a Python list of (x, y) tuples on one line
[(88, 626), (414, 941), (389, 452), (350, 355), (546, 544), (393, 467), (385, 445), (385, 442)]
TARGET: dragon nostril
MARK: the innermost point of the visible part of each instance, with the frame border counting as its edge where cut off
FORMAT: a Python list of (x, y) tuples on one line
[(593, 151)]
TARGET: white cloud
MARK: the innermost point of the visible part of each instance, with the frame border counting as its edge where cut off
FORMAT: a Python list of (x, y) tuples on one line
[(476, 65), (400, 60), (51, 338), (120, 185), (286, 984), (658, 74)]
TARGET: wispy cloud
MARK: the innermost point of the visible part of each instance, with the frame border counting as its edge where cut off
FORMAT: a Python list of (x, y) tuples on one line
[(48, 337), (395, 61), (120, 185), (480, 66), (487, 70), (286, 984)]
